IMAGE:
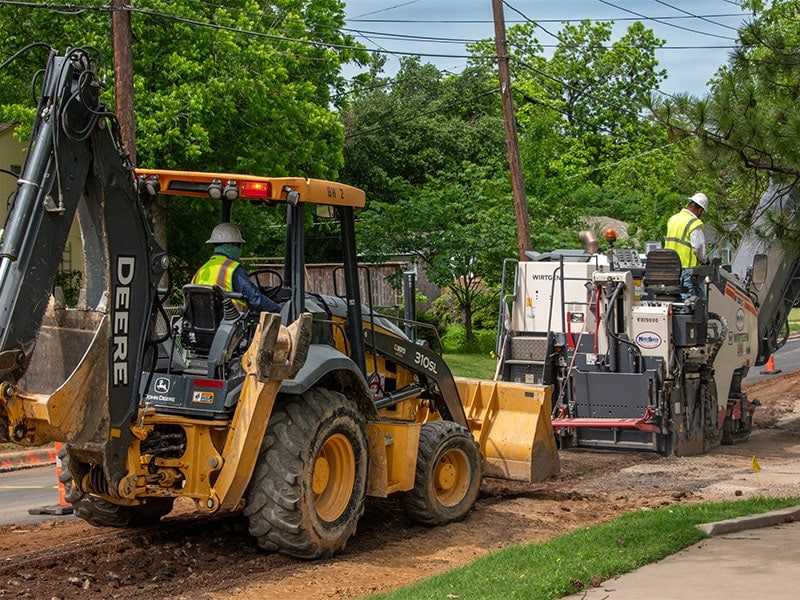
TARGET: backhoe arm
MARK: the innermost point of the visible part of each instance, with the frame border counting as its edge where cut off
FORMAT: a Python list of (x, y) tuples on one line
[(75, 167)]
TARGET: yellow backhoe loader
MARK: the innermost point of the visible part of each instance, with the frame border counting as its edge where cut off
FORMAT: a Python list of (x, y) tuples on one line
[(292, 417)]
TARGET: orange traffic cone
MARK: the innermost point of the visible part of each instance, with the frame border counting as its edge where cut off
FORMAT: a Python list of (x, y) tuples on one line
[(770, 368), (62, 501)]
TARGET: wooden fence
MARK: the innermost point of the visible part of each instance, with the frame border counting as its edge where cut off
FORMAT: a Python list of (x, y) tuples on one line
[(328, 279)]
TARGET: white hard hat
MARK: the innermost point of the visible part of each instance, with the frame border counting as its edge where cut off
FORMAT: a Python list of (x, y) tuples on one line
[(225, 233), (701, 200)]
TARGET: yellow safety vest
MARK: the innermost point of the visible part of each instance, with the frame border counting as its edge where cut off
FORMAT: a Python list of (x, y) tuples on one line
[(679, 228), (218, 271)]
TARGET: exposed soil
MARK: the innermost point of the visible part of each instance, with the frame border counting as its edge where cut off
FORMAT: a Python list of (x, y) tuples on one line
[(192, 557)]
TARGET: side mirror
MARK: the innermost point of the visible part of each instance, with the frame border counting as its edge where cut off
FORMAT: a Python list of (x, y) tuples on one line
[(759, 273)]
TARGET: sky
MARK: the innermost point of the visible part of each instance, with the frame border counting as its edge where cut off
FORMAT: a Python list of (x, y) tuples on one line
[(699, 34)]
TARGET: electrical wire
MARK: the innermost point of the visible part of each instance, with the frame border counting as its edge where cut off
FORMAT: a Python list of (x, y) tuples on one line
[(694, 16), (489, 21), (668, 24)]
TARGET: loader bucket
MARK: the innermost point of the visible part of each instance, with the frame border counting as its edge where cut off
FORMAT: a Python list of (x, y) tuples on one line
[(511, 422)]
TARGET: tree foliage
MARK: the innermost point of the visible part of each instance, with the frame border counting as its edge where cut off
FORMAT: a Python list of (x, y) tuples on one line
[(428, 148), (459, 226), (420, 123), (586, 143), (744, 132), (241, 86)]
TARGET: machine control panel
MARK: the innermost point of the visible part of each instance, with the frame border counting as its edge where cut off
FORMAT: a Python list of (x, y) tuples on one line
[(626, 259)]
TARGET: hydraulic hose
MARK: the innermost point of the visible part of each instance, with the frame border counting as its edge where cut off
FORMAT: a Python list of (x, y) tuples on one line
[(712, 354)]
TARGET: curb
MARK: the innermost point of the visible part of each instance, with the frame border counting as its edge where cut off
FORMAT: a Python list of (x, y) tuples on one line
[(27, 458), (776, 517)]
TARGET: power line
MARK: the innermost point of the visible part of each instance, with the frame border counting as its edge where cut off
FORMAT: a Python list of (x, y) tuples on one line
[(694, 16), (626, 159), (534, 23), (668, 24), (487, 21), (281, 38), (460, 41), (388, 8)]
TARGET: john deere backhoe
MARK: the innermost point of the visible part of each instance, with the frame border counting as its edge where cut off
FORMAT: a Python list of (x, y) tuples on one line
[(293, 418)]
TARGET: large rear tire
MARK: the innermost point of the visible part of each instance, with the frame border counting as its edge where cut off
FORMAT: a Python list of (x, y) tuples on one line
[(448, 475), (102, 513), (308, 487)]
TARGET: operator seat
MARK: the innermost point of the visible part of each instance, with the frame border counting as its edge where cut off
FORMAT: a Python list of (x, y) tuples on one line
[(204, 308), (214, 331), (662, 275)]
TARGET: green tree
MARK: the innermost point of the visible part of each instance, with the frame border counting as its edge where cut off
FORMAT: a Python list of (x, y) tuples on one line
[(241, 86), (587, 145), (420, 123), (459, 226), (744, 129), (414, 144)]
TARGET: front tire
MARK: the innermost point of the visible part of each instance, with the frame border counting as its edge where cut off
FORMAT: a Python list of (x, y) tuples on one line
[(448, 475), (102, 513), (308, 487)]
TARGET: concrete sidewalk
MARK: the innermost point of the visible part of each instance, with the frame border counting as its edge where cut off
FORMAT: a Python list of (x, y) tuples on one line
[(748, 557)]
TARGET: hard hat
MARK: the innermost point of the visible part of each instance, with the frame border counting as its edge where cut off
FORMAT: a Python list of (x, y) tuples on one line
[(225, 233), (701, 200)]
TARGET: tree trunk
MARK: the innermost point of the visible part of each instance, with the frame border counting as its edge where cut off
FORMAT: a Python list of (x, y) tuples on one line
[(468, 324)]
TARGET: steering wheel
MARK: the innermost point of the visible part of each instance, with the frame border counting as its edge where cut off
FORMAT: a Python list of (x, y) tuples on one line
[(269, 281)]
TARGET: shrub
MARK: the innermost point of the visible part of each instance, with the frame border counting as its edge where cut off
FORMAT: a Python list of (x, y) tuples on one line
[(70, 284), (455, 340)]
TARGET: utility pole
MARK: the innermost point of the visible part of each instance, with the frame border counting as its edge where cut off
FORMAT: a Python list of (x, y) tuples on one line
[(123, 73), (512, 145), (122, 37)]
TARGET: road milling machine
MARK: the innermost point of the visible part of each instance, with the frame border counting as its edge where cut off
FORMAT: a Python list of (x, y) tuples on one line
[(635, 360), (292, 418)]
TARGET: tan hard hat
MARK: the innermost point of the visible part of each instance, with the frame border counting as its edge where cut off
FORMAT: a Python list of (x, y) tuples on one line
[(225, 233)]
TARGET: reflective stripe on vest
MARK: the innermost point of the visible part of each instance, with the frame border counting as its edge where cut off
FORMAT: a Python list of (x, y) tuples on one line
[(679, 229), (219, 271)]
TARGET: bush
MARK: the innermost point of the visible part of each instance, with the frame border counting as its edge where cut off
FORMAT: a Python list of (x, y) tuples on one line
[(455, 340), (70, 283)]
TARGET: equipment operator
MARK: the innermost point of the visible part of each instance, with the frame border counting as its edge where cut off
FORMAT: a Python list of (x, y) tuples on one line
[(685, 235), (225, 270)]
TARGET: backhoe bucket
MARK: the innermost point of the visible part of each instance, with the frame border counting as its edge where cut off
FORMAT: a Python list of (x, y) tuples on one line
[(63, 395), (511, 422)]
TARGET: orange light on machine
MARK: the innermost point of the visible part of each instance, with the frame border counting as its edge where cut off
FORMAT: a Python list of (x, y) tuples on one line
[(256, 189)]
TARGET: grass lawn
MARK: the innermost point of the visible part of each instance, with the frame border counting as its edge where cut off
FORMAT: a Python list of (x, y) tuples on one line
[(547, 570), (477, 366), (794, 319)]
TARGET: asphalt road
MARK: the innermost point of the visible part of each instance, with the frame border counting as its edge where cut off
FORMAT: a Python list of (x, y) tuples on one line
[(786, 359), (37, 487), (28, 489)]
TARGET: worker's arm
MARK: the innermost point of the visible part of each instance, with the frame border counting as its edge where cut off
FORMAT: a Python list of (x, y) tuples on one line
[(256, 300), (698, 240)]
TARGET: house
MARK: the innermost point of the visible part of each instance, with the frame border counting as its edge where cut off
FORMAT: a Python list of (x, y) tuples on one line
[(12, 157)]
